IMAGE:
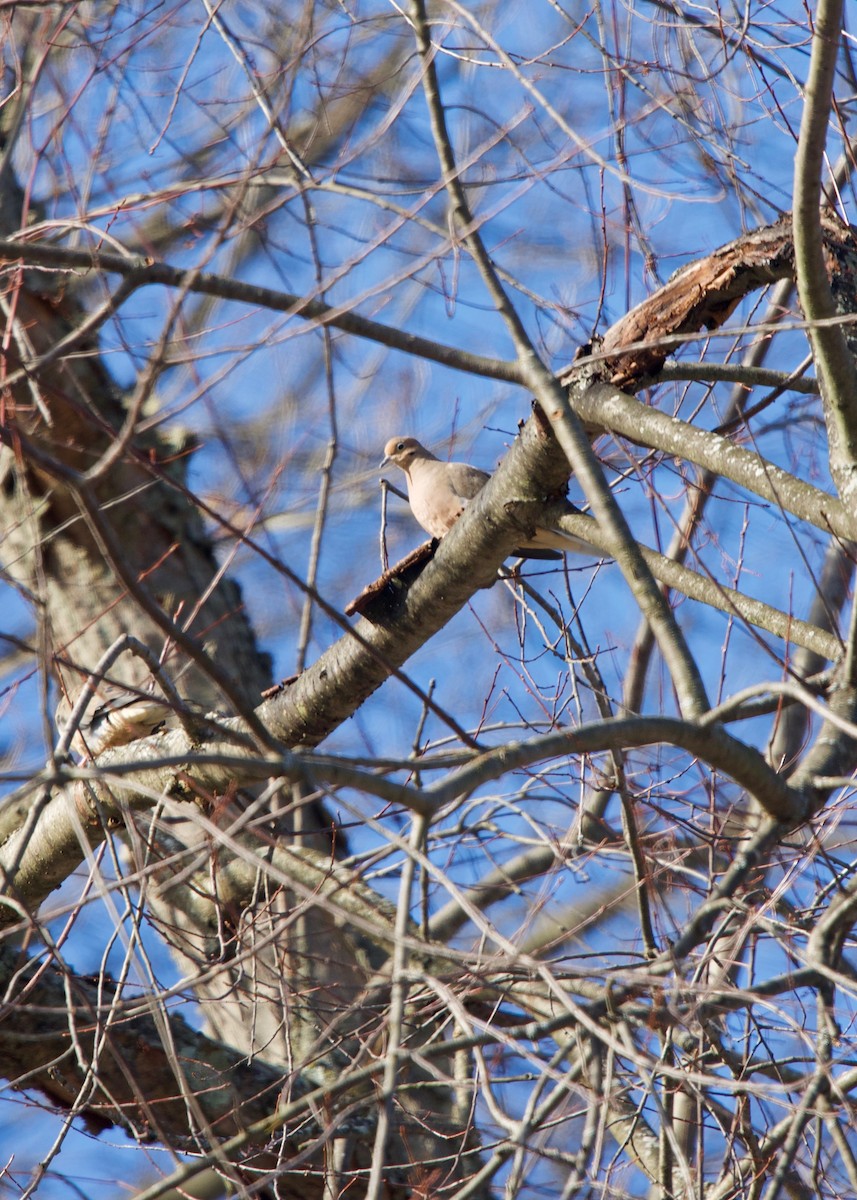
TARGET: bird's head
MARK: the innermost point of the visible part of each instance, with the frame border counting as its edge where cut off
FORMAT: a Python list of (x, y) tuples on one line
[(402, 451)]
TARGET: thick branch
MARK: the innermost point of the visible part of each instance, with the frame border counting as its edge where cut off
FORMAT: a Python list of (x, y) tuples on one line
[(554, 404), (706, 590), (834, 361), (605, 407), (140, 1082)]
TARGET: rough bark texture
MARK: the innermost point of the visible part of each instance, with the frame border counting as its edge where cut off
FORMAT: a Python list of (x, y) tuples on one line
[(705, 293), (145, 565), (138, 559)]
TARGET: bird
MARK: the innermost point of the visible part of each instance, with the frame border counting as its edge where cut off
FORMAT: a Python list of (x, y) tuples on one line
[(115, 716), (438, 493)]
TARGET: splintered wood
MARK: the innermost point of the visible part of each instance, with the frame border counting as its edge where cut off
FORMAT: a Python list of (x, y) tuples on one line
[(703, 294)]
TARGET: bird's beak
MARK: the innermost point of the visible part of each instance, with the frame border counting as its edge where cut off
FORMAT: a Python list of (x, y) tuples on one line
[(385, 462)]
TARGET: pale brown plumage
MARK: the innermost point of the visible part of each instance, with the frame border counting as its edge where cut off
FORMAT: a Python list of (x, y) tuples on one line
[(439, 491)]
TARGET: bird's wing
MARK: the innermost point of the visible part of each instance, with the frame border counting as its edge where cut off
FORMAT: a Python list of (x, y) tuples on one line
[(464, 480), (438, 492)]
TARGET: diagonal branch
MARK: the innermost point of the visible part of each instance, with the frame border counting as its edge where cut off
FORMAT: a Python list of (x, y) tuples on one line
[(555, 405)]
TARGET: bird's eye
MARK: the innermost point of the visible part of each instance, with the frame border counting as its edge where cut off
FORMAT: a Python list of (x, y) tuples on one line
[(400, 446)]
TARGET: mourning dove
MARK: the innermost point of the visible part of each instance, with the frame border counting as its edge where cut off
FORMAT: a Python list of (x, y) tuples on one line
[(115, 716), (439, 491)]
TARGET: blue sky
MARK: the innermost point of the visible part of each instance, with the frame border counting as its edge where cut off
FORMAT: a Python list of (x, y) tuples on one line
[(594, 182)]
